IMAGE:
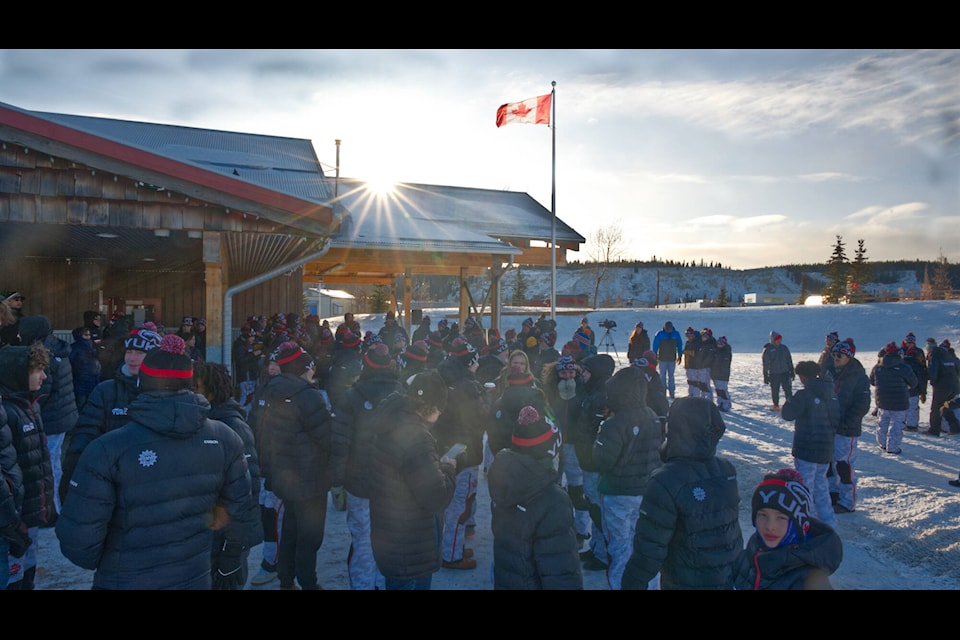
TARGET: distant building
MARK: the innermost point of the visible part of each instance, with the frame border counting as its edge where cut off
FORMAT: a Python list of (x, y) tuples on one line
[(327, 303), (760, 299)]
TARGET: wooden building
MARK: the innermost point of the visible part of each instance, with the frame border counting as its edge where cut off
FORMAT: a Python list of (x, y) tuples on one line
[(169, 221)]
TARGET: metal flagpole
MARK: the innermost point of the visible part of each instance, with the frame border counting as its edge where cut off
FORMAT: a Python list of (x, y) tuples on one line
[(553, 205)]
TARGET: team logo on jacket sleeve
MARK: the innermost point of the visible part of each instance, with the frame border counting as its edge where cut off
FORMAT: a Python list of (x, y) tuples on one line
[(147, 458)]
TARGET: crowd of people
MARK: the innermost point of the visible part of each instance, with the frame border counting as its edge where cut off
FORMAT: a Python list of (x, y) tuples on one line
[(159, 470)]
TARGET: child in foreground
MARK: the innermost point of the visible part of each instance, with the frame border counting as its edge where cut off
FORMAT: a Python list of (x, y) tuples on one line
[(790, 549)]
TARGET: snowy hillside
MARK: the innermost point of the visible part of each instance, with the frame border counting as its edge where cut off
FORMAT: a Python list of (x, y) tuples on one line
[(638, 287)]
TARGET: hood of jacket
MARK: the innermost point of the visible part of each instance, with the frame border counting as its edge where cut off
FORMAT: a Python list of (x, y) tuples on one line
[(515, 478), (14, 373), (34, 328), (177, 414), (228, 410), (626, 389), (694, 427), (601, 367), (821, 388)]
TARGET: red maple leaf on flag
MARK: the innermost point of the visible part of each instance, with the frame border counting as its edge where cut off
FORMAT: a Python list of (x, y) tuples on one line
[(521, 111)]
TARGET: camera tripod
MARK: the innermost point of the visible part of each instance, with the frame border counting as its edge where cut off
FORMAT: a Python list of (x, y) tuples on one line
[(606, 341)]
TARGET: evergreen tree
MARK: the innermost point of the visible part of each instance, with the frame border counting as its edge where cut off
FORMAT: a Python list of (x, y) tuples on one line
[(380, 299), (861, 274), (837, 267), (519, 289), (803, 289), (941, 286), (722, 298)]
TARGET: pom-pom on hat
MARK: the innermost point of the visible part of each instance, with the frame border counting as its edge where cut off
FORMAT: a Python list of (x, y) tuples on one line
[(891, 348), (429, 388), (785, 492), (774, 336), (167, 367), (690, 331), (378, 356), (910, 339), (651, 358), (706, 331), (292, 358), (535, 435), (142, 340)]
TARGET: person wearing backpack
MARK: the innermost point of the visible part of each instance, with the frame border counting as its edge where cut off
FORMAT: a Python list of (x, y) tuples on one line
[(815, 410), (354, 428)]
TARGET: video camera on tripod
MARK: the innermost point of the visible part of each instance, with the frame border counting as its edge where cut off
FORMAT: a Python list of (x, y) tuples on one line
[(609, 325)]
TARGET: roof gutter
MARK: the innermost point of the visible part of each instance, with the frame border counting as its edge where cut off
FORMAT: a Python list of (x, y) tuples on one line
[(260, 279)]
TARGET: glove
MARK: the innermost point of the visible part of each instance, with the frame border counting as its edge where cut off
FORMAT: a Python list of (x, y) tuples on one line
[(15, 535), (766, 380), (923, 398), (227, 575)]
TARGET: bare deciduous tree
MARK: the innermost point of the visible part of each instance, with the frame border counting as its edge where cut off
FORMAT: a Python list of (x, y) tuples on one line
[(604, 247)]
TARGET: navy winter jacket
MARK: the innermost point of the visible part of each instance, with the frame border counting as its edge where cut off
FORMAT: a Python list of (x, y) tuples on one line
[(689, 523), (534, 538), (143, 497), (893, 379), (813, 433), (29, 439)]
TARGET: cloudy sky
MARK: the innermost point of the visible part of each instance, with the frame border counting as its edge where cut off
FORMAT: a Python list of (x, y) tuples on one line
[(749, 158)]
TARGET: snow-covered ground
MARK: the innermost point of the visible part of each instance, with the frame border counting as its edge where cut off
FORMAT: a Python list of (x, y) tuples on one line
[(905, 533)]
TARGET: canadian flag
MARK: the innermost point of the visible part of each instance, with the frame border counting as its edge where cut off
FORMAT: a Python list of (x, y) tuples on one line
[(530, 111)]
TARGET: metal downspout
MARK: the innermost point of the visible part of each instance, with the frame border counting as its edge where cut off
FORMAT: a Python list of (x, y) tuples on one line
[(243, 286)]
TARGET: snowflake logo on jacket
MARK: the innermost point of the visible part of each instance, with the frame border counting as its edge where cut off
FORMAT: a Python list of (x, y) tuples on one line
[(699, 494), (147, 458)]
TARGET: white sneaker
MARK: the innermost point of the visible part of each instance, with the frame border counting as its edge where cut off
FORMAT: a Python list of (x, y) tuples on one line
[(263, 577)]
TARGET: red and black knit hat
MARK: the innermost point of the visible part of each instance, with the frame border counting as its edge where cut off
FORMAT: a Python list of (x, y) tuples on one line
[(785, 492), (434, 340), (463, 352), (348, 339), (377, 356), (412, 357), (167, 368), (535, 435), (142, 340), (292, 358)]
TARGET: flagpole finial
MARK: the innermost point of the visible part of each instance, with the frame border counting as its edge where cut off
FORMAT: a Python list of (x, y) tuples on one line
[(553, 83)]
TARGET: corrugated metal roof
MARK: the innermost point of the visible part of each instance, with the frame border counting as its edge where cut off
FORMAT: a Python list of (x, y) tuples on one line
[(442, 218), (284, 165)]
